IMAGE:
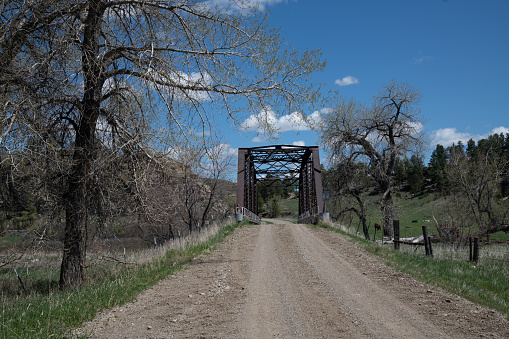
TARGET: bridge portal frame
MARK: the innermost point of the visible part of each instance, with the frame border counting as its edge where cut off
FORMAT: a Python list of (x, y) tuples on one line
[(297, 163)]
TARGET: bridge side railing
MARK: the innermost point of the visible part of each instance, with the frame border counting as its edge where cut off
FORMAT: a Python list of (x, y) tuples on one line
[(309, 217), (239, 210)]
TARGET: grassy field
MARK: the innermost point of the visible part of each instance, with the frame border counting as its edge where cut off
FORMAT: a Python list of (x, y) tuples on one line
[(412, 212), (46, 312)]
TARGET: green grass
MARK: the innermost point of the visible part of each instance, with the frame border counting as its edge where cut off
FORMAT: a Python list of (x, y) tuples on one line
[(289, 205), (412, 213), (485, 283), (500, 236), (55, 314), (11, 240)]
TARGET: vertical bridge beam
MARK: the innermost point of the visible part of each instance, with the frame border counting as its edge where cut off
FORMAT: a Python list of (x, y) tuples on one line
[(317, 174), (241, 177)]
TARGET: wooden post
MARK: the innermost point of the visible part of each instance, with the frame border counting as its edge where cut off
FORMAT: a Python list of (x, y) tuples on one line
[(426, 240), (430, 246), (475, 257), (471, 254), (20, 281), (395, 225)]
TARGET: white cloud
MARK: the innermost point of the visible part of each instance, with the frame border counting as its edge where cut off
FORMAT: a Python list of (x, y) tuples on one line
[(194, 79), (267, 121), (498, 130), (241, 5), (315, 120), (176, 79), (259, 139), (292, 122), (299, 143), (448, 136), (260, 122), (202, 133), (346, 81), (422, 59), (413, 127)]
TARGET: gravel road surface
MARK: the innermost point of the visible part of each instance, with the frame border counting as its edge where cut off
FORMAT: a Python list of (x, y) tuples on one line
[(284, 280)]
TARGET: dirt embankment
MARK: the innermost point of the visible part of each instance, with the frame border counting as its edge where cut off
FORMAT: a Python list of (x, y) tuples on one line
[(285, 281)]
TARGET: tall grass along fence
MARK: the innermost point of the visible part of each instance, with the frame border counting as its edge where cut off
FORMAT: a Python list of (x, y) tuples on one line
[(43, 311), (426, 241)]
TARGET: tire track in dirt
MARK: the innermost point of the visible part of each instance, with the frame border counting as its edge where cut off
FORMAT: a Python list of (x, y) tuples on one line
[(376, 313), (285, 299)]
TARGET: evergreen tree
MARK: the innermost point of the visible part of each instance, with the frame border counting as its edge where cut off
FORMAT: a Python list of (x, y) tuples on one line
[(436, 168), (471, 149), (415, 174)]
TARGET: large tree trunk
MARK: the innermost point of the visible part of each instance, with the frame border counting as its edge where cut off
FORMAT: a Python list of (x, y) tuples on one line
[(76, 204), (387, 206), (362, 215), (76, 208), (76, 197)]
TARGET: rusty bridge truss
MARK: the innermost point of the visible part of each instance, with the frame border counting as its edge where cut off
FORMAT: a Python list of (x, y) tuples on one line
[(281, 165)]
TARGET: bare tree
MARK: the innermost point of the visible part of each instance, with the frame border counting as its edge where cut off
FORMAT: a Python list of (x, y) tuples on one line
[(73, 68), (202, 168), (475, 198), (377, 134), (349, 182), (216, 169)]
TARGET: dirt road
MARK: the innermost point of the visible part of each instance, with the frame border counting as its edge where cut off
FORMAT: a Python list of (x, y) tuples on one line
[(284, 280)]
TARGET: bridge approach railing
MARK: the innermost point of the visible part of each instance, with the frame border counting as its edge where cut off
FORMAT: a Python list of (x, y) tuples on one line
[(239, 210)]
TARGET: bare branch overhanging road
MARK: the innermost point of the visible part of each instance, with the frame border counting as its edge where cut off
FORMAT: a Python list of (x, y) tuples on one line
[(284, 280)]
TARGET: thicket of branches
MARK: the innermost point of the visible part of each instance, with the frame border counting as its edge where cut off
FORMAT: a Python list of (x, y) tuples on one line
[(475, 182), (95, 94)]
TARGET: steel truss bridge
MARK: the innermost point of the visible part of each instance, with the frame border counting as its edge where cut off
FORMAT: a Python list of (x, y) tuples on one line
[(280, 165)]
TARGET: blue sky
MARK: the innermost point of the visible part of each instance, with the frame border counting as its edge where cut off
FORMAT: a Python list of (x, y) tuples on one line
[(455, 51)]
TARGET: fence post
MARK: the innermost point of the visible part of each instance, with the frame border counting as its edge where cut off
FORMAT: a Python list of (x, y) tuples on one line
[(20, 281), (426, 240), (471, 254), (475, 257), (430, 246), (395, 225)]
